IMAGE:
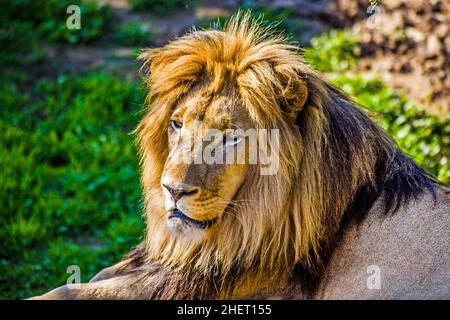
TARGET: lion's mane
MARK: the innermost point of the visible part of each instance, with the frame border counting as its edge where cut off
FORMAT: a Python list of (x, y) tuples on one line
[(334, 163)]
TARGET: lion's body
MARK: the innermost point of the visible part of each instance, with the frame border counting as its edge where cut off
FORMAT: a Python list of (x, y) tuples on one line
[(410, 248), (344, 199)]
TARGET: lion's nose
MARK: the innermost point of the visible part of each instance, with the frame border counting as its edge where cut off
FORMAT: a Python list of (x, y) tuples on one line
[(177, 193)]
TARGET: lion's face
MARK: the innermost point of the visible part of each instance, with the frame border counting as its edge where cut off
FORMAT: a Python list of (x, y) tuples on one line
[(197, 186)]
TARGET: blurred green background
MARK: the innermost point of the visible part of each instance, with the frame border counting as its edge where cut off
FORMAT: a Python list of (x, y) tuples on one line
[(69, 175)]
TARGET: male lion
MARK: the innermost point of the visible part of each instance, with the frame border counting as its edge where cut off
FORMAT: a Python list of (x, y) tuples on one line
[(345, 215)]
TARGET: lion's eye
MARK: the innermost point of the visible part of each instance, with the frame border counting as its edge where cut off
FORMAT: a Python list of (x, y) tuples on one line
[(175, 124), (231, 138)]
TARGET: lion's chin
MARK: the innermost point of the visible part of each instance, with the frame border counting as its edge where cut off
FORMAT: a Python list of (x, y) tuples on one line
[(183, 226), (185, 230)]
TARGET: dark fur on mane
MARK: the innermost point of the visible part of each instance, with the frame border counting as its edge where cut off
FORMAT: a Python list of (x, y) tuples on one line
[(398, 178)]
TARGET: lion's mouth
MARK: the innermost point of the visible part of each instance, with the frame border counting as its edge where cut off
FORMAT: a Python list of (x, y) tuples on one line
[(200, 224)]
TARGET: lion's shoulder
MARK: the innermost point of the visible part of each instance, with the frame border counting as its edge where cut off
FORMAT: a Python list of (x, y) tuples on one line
[(407, 250)]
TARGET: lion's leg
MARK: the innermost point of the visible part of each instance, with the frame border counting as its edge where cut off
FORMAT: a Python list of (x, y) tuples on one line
[(145, 282), (123, 287)]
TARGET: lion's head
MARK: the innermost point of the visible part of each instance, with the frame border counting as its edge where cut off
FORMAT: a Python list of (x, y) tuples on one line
[(224, 80), (220, 218)]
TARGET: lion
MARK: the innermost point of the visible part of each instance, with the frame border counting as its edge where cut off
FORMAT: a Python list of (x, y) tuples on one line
[(346, 214)]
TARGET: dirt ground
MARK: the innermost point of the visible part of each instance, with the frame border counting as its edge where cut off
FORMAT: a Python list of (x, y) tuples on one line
[(410, 50), (407, 45)]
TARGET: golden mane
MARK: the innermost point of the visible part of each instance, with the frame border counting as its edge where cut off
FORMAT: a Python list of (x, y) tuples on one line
[(331, 157)]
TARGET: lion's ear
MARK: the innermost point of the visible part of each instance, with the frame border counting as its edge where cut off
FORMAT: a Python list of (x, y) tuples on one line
[(292, 90)]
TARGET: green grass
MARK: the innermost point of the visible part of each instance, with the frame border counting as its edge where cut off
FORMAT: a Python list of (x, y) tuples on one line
[(424, 137), (27, 24), (133, 34), (69, 178), (161, 6), (333, 52), (70, 184), (47, 19)]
